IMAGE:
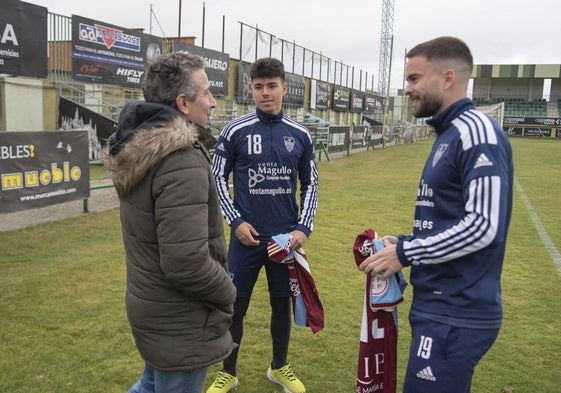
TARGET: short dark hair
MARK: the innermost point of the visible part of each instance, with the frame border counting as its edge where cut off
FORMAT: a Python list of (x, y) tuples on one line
[(170, 75), (444, 48), (267, 67)]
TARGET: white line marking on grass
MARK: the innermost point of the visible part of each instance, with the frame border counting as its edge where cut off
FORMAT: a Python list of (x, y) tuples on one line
[(547, 242)]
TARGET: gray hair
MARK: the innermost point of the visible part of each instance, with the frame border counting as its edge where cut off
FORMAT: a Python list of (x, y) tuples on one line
[(170, 75)]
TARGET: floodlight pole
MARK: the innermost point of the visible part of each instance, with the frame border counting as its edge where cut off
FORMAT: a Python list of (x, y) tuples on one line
[(203, 32), (151, 6), (179, 22), (387, 106)]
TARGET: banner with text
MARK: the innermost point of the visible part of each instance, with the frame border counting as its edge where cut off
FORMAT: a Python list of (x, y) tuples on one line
[(296, 87), (244, 84), (40, 169), (294, 95), (533, 121), (358, 137), (217, 66), (320, 95), (373, 103), (547, 127), (338, 138), (23, 39), (341, 98), (107, 54), (357, 101)]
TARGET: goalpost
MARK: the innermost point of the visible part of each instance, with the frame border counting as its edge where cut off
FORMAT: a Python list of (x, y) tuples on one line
[(496, 111)]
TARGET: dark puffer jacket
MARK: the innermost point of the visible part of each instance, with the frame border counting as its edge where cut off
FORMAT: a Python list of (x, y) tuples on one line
[(179, 296)]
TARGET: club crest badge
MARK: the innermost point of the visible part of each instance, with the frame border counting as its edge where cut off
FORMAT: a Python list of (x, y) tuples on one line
[(289, 143), (439, 153)]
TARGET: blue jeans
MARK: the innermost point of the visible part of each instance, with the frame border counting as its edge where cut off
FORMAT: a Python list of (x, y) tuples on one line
[(155, 381)]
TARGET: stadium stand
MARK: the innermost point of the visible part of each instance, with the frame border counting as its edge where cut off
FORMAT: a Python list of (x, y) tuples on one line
[(518, 107)]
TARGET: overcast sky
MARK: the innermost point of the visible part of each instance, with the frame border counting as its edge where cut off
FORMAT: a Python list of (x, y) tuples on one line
[(497, 31)]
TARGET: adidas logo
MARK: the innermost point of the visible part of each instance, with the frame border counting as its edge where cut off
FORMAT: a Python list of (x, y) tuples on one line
[(483, 160), (427, 374)]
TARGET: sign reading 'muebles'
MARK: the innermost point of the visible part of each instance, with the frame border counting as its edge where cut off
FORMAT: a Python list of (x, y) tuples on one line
[(39, 169)]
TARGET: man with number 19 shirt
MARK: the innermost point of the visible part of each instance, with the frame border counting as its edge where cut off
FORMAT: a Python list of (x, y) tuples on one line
[(268, 154), (460, 227)]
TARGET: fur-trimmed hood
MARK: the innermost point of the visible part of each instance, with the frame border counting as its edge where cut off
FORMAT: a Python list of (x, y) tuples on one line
[(147, 133)]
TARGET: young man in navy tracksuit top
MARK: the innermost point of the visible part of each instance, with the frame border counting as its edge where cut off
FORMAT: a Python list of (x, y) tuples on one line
[(462, 215), (268, 153)]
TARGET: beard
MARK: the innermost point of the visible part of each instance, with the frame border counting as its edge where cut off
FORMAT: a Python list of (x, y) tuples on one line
[(428, 106)]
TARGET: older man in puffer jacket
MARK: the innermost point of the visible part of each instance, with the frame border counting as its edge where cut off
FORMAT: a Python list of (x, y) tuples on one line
[(179, 296)]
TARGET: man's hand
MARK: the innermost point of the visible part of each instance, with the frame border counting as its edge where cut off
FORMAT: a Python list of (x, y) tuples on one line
[(245, 232), (298, 239), (389, 239), (383, 262)]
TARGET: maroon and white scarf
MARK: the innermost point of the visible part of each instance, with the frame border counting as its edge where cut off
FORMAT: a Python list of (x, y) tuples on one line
[(307, 307), (377, 359)]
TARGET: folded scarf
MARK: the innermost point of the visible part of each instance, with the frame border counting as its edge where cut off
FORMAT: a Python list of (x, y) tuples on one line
[(377, 359), (308, 310)]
